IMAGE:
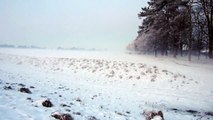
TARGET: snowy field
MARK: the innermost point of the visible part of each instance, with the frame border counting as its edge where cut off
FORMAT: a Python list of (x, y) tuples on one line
[(91, 85)]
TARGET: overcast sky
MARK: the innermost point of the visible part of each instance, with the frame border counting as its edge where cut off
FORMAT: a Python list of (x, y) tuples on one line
[(110, 24)]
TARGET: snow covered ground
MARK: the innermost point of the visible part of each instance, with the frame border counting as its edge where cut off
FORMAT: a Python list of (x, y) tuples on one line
[(92, 85)]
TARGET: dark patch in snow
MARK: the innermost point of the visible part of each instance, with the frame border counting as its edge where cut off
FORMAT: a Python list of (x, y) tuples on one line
[(43, 96), (149, 115), (47, 103), (94, 96), (120, 113), (66, 117), (78, 100), (92, 118), (68, 110), (30, 99), (209, 113), (62, 116), (64, 105), (76, 113), (22, 85), (174, 109), (8, 88), (127, 112), (25, 90), (192, 111)]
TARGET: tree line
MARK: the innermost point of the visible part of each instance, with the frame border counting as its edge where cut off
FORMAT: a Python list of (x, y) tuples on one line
[(176, 26)]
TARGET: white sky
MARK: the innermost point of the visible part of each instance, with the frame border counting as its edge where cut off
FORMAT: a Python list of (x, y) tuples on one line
[(110, 24)]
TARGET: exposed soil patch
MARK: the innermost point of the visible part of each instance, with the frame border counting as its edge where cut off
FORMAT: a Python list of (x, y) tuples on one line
[(25, 90), (47, 103), (149, 115), (62, 116), (8, 88)]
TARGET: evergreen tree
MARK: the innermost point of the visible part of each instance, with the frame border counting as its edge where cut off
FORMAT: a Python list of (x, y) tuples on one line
[(176, 26)]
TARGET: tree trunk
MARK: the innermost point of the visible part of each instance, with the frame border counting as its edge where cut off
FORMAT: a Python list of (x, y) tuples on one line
[(211, 30), (198, 54), (190, 48), (208, 11), (175, 47), (210, 48), (155, 49), (181, 48), (166, 47), (190, 33)]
